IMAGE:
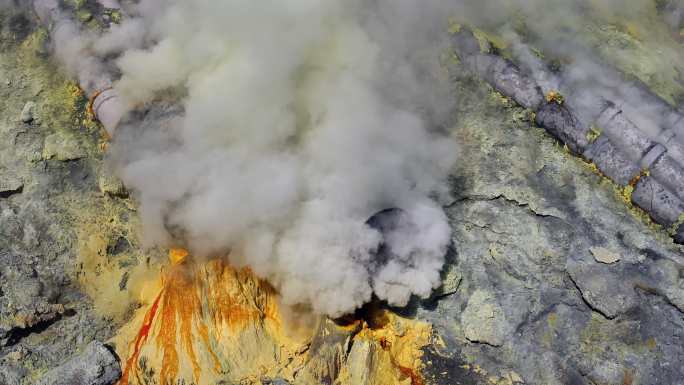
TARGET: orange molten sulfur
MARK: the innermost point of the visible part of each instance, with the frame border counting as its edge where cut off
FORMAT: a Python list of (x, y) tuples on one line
[(177, 256), (197, 305), (139, 340)]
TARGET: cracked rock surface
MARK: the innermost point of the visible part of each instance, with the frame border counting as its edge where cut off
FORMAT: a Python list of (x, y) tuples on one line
[(96, 365), (533, 300), (45, 316)]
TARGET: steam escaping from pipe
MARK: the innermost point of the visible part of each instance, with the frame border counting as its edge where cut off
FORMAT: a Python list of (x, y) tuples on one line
[(74, 48)]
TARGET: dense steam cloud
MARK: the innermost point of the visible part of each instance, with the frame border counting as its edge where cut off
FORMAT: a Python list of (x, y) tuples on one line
[(274, 129), (4, 4), (299, 120)]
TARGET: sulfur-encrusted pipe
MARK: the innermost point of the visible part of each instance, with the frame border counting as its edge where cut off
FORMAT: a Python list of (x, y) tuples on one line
[(673, 12), (622, 152), (625, 134), (669, 173), (107, 108), (106, 103), (670, 138), (562, 123), (650, 155), (505, 76), (659, 202), (612, 163)]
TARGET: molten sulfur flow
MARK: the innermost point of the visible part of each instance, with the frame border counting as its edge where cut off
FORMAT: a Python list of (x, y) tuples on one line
[(206, 318), (208, 322)]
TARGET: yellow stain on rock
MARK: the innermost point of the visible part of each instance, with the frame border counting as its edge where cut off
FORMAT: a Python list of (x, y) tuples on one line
[(395, 350), (552, 320), (554, 96), (113, 282)]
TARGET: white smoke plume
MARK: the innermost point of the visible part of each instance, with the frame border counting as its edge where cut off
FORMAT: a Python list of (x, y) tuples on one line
[(275, 129), (299, 120)]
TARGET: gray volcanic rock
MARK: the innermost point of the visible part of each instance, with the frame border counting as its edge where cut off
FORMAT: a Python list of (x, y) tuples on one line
[(62, 147), (329, 347), (604, 290), (532, 300), (27, 113), (45, 317), (96, 365), (10, 184), (28, 300), (11, 374), (110, 184), (483, 319)]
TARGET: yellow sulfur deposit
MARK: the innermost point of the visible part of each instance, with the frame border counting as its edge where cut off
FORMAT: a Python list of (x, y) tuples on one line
[(209, 322), (177, 256), (555, 97)]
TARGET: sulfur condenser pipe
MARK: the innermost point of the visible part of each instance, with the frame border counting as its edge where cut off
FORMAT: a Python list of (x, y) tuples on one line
[(97, 84), (111, 4), (622, 152)]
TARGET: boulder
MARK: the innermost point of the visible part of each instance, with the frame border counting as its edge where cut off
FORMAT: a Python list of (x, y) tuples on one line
[(96, 365)]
